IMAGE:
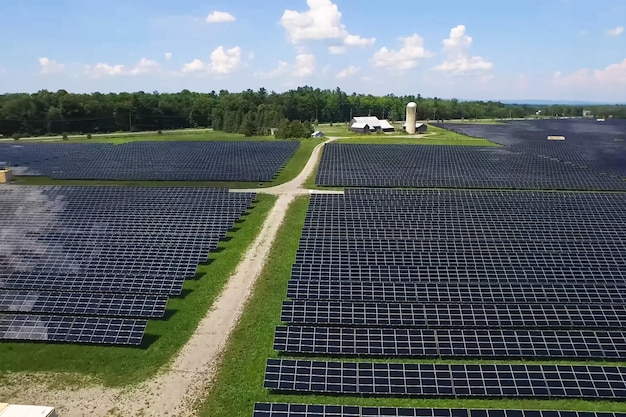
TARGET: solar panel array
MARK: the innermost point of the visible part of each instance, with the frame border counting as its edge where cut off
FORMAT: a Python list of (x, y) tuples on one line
[(188, 161), (591, 158), (456, 274), (310, 410), (91, 264)]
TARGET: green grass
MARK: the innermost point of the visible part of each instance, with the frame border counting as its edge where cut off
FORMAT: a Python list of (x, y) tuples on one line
[(287, 173), (239, 379), (114, 366), (435, 136), (178, 135)]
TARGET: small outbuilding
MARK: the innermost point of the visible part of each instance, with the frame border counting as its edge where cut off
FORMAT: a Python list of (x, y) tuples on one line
[(317, 134), (419, 127), (360, 128)]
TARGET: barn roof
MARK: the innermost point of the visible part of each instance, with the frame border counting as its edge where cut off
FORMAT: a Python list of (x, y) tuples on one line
[(372, 121), (384, 124), (359, 125)]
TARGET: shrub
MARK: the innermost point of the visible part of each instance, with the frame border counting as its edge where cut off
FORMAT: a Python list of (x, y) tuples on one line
[(159, 132), (16, 136), (88, 135), (65, 137)]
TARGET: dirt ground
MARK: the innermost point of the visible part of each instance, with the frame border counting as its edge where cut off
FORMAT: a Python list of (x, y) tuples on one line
[(181, 386)]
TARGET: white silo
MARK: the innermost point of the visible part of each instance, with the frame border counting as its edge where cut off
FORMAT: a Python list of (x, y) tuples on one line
[(411, 118)]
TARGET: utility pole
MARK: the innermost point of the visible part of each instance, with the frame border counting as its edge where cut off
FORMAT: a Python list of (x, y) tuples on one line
[(130, 120)]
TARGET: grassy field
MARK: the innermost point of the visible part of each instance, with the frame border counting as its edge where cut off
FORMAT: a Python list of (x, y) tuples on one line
[(239, 381), (177, 135), (435, 136), (287, 173), (114, 366)]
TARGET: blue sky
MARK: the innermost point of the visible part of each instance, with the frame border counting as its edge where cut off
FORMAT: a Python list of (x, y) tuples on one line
[(533, 49)]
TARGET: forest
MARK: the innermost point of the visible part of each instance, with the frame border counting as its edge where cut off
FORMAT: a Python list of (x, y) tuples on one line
[(248, 112)]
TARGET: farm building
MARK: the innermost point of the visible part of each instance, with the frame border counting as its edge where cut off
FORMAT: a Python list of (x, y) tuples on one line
[(360, 128), (317, 134), (374, 123), (419, 127)]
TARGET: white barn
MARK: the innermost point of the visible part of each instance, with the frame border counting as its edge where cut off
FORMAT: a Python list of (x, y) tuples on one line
[(374, 123)]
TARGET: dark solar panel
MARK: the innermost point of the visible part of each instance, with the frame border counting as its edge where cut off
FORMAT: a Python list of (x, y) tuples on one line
[(556, 316), (439, 380), (74, 303), (314, 410), (99, 330), (451, 343)]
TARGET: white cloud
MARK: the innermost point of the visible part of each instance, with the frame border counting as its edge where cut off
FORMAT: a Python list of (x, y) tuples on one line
[(49, 66), (338, 49), (145, 66), (406, 58), (611, 77), (303, 66), (615, 31), (102, 69), (321, 22), (458, 59), (348, 72), (220, 17), (223, 61), (168, 55)]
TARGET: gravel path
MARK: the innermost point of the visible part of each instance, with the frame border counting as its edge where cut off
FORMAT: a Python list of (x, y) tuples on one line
[(178, 389)]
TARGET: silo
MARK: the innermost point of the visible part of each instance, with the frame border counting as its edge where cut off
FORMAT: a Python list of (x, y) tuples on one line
[(411, 117)]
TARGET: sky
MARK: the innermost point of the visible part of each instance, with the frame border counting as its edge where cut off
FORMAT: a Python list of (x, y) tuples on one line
[(480, 49)]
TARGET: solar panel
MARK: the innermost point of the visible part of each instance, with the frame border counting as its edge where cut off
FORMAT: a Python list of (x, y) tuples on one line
[(439, 380), (456, 292), (451, 343), (371, 314), (69, 329), (72, 303), (315, 410)]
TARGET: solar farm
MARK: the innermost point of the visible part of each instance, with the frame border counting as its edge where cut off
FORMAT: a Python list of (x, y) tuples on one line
[(441, 281)]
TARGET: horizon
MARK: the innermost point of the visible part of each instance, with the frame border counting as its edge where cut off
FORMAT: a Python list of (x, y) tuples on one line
[(451, 49)]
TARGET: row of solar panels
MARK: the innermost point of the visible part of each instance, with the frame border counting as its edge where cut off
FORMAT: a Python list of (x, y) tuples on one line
[(315, 410), (388, 342), (439, 380)]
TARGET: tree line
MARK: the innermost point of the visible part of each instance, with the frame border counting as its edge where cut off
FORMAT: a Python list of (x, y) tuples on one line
[(248, 112)]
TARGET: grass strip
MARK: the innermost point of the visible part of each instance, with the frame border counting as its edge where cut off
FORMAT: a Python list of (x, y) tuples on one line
[(117, 366), (435, 136)]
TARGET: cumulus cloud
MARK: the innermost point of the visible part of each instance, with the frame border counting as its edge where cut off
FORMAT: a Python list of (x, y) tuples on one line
[(49, 66), (168, 55), (220, 17), (348, 72), (145, 66), (303, 66), (405, 58), (458, 59), (609, 78), (102, 69), (223, 62), (322, 21), (615, 31)]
